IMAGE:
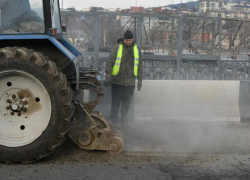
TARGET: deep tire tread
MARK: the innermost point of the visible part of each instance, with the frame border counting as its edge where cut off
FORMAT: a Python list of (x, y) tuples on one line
[(63, 88)]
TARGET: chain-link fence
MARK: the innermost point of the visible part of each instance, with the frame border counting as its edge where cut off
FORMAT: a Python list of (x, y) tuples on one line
[(173, 47)]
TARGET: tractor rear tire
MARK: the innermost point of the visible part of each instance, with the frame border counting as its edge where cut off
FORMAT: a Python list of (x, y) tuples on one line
[(48, 123)]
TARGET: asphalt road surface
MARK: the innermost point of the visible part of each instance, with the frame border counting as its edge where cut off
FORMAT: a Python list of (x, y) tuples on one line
[(161, 150)]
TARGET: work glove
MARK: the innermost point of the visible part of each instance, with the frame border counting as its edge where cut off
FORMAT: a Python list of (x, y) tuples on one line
[(107, 81), (139, 85)]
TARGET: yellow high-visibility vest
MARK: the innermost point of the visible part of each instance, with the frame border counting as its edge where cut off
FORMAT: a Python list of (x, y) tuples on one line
[(116, 67)]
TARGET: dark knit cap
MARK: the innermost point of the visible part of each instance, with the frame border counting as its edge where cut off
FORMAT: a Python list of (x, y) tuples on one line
[(128, 35)]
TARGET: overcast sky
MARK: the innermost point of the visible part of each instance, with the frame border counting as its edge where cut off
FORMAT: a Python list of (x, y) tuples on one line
[(80, 4)]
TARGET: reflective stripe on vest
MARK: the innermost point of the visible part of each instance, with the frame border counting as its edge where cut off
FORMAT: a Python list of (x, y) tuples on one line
[(136, 60), (116, 67)]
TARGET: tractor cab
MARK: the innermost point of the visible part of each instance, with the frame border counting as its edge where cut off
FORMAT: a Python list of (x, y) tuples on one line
[(36, 24), (30, 17)]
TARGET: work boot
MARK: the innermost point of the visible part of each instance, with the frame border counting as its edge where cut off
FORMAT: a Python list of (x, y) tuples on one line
[(115, 123), (128, 124), (113, 120), (118, 125), (123, 121)]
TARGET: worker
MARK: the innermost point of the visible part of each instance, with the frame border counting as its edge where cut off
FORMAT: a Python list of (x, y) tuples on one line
[(123, 67)]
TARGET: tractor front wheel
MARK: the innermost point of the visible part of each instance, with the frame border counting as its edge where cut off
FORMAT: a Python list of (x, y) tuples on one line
[(35, 105)]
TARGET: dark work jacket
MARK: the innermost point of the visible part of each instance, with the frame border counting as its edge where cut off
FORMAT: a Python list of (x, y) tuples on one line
[(126, 75)]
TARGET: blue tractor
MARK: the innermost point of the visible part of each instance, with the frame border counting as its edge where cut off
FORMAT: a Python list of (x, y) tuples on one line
[(40, 85)]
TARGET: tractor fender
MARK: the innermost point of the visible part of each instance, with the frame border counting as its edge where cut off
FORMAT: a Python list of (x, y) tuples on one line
[(64, 45), (69, 50)]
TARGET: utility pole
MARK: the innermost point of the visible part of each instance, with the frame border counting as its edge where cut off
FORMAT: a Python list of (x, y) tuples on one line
[(62, 4)]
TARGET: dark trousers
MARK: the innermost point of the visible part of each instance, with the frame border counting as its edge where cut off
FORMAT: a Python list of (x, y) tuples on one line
[(121, 96)]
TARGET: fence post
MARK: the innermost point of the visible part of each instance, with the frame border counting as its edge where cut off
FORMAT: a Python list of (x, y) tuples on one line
[(139, 30), (179, 52), (220, 43), (97, 40)]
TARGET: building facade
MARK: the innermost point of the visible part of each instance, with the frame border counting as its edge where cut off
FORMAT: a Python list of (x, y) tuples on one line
[(215, 5), (225, 9)]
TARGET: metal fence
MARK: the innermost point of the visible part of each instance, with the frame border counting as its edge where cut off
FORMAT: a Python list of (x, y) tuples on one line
[(173, 47)]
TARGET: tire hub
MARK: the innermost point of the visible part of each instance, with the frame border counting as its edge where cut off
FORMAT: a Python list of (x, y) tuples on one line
[(17, 105), (25, 108)]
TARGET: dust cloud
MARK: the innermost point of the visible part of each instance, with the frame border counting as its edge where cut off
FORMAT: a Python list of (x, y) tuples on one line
[(192, 118), (185, 117), (173, 136)]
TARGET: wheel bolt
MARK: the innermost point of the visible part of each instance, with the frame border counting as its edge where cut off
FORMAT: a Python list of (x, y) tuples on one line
[(8, 107), (8, 101), (25, 102), (20, 97), (19, 114), (13, 96), (12, 113), (24, 110)]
